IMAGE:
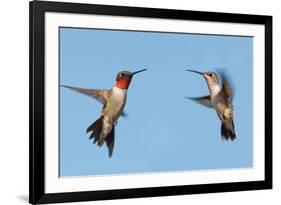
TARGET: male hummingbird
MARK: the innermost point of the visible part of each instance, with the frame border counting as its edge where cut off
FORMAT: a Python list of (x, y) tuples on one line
[(220, 99), (113, 101)]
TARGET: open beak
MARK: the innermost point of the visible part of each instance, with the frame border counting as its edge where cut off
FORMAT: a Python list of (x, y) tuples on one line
[(194, 71), (138, 71)]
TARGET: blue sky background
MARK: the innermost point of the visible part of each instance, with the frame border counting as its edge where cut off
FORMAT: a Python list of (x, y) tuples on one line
[(163, 130)]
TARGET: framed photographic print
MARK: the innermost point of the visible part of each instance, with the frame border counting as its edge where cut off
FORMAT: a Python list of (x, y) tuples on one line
[(140, 102)]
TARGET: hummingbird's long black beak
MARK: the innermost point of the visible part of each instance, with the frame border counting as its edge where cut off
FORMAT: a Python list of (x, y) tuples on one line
[(194, 71), (133, 73)]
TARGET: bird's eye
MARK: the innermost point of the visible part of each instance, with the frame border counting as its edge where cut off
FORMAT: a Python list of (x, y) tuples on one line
[(121, 74), (211, 74)]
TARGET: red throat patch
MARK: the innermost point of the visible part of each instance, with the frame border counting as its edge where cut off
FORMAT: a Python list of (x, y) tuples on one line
[(123, 83)]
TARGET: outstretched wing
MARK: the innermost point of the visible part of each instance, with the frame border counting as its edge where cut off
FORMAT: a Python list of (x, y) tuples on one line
[(204, 100), (226, 89), (99, 95)]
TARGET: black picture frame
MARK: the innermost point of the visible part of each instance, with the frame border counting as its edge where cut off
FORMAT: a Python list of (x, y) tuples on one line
[(37, 10)]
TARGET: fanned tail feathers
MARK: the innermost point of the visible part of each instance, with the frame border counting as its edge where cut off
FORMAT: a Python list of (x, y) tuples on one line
[(110, 141), (96, 128), (227, 130)]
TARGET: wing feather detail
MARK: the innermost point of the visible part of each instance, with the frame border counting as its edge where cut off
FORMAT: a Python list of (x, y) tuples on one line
[(226, 89), (204, 100), (99, 95)]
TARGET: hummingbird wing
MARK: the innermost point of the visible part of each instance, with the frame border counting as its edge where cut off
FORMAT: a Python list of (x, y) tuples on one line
[(99, 95), (204, 100), (226, 89)]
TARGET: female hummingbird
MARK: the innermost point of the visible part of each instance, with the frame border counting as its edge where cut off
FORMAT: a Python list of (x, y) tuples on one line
[(220, 99), (113, 101)]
